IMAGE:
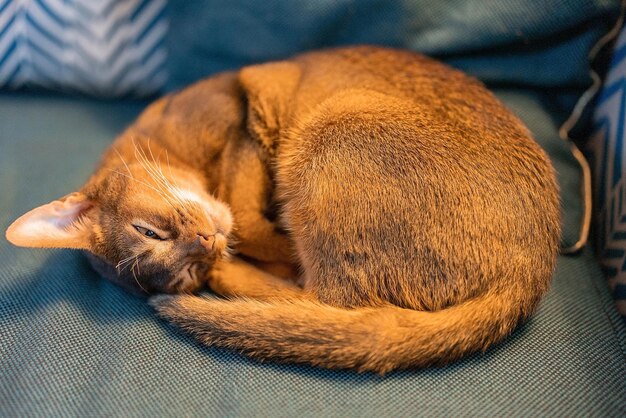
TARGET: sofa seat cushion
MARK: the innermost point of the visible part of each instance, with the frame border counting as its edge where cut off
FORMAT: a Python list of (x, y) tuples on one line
[(74, 344)]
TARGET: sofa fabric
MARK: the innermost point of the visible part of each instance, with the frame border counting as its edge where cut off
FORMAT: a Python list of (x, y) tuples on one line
[(106, 48), (74, 344), (540, 43)]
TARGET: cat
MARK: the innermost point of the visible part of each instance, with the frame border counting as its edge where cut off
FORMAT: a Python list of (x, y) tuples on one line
[(422, 216)]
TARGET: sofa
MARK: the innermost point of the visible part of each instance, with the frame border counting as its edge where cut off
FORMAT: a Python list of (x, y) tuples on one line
[(74, 344)]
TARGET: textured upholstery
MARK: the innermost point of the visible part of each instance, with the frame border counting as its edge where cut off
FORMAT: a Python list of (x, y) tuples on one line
[(499, 41), (106, 48), (74, 344)]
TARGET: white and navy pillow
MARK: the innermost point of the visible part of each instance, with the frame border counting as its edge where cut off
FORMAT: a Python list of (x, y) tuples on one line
[(609, 159), (108, 48)]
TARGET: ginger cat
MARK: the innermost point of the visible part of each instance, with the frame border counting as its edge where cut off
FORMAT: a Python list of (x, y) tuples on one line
[(422, 215)]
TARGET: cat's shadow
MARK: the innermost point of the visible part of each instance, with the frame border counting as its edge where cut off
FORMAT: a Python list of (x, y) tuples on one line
[(66, 277)]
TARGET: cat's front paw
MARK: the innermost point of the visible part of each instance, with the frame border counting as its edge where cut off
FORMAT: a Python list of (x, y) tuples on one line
[(223, 276)]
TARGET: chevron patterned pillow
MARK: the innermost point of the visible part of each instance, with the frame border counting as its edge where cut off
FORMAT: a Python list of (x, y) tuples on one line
[(107, 48), (608, 158)]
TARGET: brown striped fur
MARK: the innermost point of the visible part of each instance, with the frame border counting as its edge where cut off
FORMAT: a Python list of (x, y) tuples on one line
[(423, 217)]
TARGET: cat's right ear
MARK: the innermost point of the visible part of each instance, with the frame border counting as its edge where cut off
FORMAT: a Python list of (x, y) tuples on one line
[(63, 223)]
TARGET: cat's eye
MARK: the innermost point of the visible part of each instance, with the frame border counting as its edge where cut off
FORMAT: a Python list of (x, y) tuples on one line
[(147, 232)]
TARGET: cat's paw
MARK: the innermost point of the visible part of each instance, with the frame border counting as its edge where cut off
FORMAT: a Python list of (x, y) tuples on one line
[(222, 277), (237, 278)]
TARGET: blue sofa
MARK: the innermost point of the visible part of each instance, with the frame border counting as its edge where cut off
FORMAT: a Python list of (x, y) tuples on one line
[(73, 344)]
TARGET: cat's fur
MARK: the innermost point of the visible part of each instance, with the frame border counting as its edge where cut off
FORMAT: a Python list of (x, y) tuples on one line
[(424, 217)]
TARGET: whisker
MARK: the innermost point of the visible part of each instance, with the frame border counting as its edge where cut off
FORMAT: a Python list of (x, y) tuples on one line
[(161, 193), (173, 188), (123, 161), (156, 173), (169, 167), (123, 263), (132, 269), (159, 172), (154, 169), (152, 173)]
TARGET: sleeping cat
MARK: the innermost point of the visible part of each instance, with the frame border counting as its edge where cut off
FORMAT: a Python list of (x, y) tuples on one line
[(423, 217)]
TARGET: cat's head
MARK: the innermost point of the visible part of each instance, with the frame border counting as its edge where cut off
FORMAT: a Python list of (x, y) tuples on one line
[(150, 229)]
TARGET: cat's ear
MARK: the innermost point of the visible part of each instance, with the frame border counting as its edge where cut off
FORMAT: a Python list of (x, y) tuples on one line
[(269, 89), (63, 223)]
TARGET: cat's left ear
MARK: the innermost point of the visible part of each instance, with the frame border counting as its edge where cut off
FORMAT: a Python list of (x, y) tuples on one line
[(63, 223)]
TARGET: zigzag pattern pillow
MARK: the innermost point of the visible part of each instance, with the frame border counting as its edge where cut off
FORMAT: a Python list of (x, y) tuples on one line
[(108, 48), (609, 161)]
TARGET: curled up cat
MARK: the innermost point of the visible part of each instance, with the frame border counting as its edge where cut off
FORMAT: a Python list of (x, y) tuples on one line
[(421, 217)]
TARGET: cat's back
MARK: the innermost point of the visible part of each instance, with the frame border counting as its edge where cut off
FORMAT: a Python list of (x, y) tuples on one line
[(428, 84), (428, 109), (396, 154)]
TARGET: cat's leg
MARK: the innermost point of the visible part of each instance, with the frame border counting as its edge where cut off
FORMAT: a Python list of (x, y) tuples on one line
[(287, 271), (248, 192), (237, 278), (260, 239)]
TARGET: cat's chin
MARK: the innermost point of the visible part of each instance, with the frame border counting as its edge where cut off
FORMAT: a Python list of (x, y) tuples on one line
[(107, 271), (189, 279)]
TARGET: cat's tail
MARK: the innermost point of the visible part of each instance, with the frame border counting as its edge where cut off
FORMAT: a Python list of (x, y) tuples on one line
[(367, 339)]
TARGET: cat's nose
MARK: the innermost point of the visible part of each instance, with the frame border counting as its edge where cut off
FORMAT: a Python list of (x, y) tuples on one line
[(213, 242)]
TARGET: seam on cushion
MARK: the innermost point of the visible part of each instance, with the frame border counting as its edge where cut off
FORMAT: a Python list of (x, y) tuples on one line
[(583, 101), (585, 226), (608, 306)]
